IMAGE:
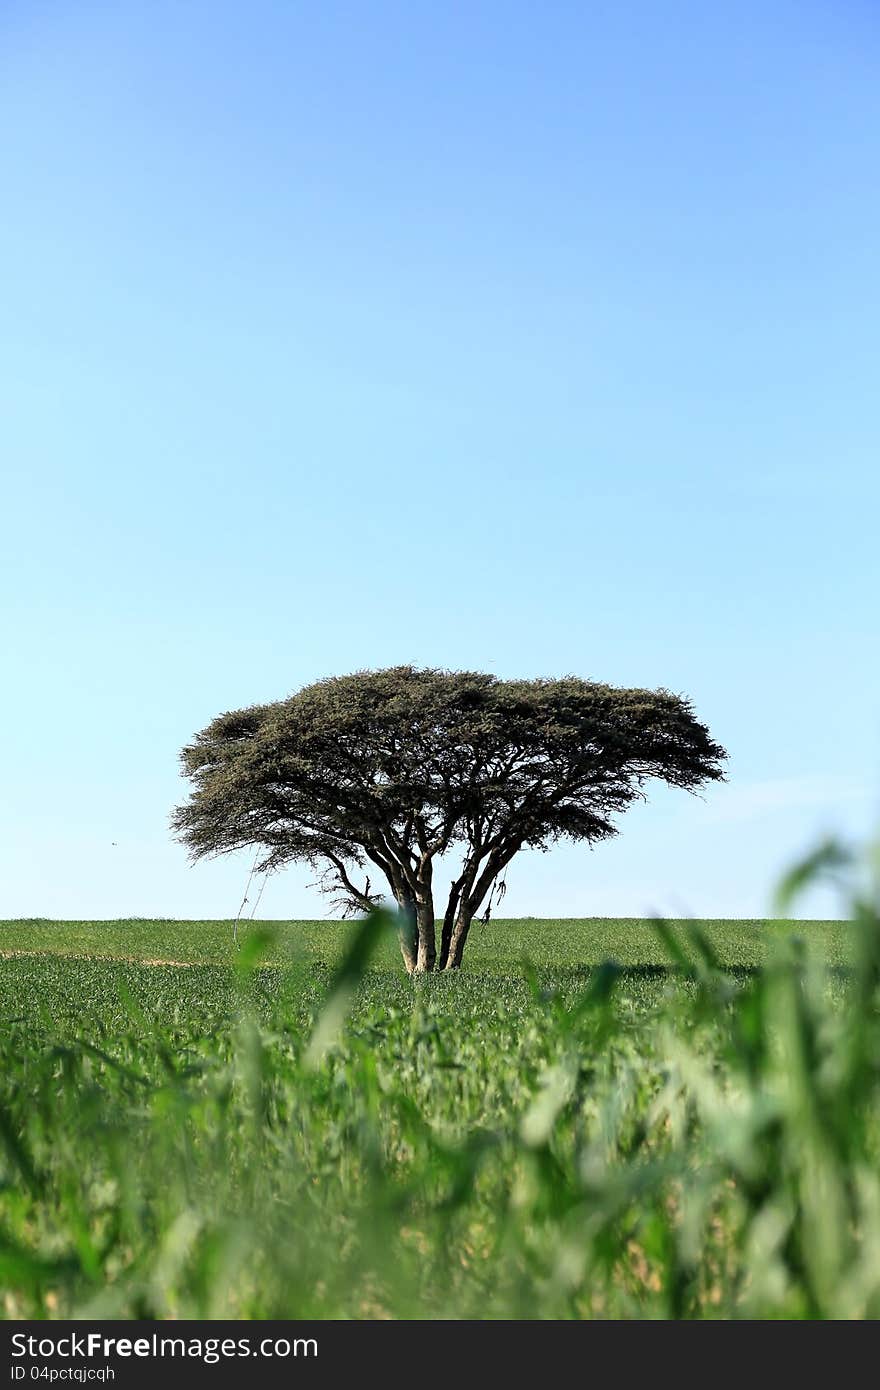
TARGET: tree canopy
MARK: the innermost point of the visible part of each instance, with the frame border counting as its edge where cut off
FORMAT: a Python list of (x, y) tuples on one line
[(376, 775)]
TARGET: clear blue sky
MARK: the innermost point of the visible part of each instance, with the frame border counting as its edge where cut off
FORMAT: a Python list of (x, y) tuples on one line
[(536, 339)]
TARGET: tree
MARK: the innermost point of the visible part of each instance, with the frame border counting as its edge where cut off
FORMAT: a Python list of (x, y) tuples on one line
[(377, 775)]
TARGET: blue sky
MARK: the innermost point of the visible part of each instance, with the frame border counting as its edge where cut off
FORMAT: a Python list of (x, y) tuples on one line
[(536, 339)]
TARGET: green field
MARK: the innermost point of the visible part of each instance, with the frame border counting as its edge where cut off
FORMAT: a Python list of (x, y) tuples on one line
[(501, 944), (283, 1132)]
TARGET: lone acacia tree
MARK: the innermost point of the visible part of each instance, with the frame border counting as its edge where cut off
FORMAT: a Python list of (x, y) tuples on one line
[(383, 772)]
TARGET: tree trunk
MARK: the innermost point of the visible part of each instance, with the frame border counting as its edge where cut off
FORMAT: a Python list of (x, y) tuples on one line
[(417, 932), (408, 932), (458, 938), (464, 903), (449, 923), (426, 944)]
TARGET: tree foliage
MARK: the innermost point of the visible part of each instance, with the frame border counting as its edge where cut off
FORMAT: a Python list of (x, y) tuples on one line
[(376, 775)]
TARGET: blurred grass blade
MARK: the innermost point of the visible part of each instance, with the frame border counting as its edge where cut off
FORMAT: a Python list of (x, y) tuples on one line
[(255, 948), (336, 1006), (702, 945), (672, 945), (18, 1154), (822, 863)]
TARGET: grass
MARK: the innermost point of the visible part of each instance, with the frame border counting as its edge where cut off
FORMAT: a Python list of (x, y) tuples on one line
[(694, 1133), (500, 945)]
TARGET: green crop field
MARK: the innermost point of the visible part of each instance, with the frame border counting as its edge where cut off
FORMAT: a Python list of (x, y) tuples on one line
[(297, 1129), (500, 944)]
